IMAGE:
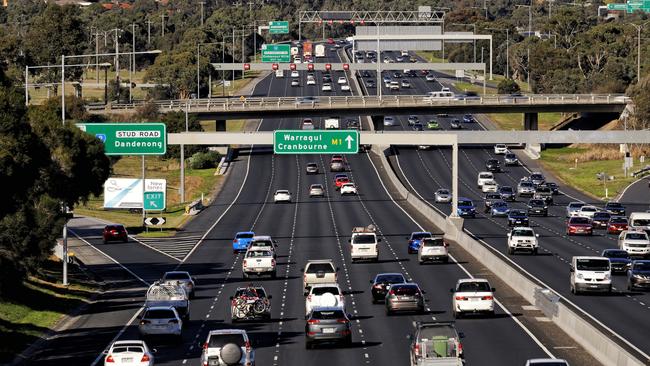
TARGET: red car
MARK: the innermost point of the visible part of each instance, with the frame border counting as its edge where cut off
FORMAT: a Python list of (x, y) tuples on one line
[(341, 181), (579, 225), (616, 224), (115, 232)]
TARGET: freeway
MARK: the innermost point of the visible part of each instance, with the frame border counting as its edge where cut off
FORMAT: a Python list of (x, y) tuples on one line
[(308, 228), (423, 172)]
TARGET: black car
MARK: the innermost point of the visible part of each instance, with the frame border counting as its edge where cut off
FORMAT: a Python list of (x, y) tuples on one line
[(493, 165), (507, 193), (365, 73), (418, 127), (619, 259), (490, 198), (517, 218), (537, 207), (638, 276), (352, 124), (397, 74), (615, 208), (411, 74), (370, 83), (601, 219), (553, 186), (381, 284)]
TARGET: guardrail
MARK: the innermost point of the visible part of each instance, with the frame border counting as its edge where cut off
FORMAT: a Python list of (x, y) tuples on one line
[(282, 103)]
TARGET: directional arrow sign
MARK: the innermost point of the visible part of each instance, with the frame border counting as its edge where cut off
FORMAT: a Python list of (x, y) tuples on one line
[(154, 221), (316, 142), (154, 201)]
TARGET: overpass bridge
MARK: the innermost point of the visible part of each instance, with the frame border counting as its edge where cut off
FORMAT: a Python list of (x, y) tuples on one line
[(241, 107)]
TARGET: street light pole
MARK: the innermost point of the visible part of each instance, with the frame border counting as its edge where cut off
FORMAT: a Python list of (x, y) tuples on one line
[(202, 3), (507, 49), (132, 69)]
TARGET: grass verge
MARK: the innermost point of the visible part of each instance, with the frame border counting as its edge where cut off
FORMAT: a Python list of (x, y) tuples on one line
[(583, 174), (514, 121), (218, 90), (38, 305)]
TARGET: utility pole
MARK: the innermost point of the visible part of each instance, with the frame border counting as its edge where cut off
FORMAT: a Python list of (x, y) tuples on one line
[(97, 57), (162, 28), (132, 59), (148, 31), (202, 3)]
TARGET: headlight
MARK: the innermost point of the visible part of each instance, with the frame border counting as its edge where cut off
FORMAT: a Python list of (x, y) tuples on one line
[(608, 276), (579, 276)]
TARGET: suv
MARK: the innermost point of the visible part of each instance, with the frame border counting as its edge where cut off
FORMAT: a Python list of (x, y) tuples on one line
[(433, 249), (337, 165), (525, 189), (537, 207), (537, 178), (466, 208), (325, 324), (161, 321), (615, 208), (518, 218), (544, 193), (493, 165), (636, 243), (115, 232), (324, 294), (522, 238), (472, 295), (510, 159), (435, 341), (484, 177), (227, 347), (318, 271), (590, 274), (129, 351), (180, 278)]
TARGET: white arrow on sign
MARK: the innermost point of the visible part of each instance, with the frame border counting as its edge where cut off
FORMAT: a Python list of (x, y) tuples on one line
[(349, 139), (153, 204)]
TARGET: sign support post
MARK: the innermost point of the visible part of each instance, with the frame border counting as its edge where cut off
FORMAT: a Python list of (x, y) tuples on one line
[(144, 212)]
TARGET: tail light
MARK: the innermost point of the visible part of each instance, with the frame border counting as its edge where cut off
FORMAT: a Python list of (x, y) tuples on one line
[(234, 241), (313, 321), (342, 321), (233, 302), (145, 358), (487, 298), (273, 262), (248, 346), (173, 321), (460, 348), (110, 358), (416, 349), (205, 345), (377, 286), (143, 322), (309, 298), (391, 292), (244, 262), (461, 298)]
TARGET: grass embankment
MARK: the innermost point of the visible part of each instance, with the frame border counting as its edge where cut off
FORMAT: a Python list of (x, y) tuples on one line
[(591, 160), (514, 121), (197, 182), (218, 90), (38, 305)]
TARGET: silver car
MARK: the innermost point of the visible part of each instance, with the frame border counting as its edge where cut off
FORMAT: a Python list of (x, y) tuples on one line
[(311, 168), (573, 207), (404, 297), (389, 121), (180, 278), (525, 188), (442, 196), (327, 325), (316, 190), (161, 321), (227, 347)]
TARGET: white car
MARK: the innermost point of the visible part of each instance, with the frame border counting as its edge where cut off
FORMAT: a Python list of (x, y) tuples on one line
[(489, 186), (295, 74), (345, 87), (324, 295), (590, 274), (348, 188), (297, 60), (159, 321), (263, 242), (326, 87), (394, 85), (500, 149), (442, 196), (472, 295), (282, 195), (484, 177), (318, 271), (522, 238), (635, 242), (586, 211), (433, 249), (546, 362), (220, 348), (316, 190), (389, 121), (311, 80), (133, 352), (259, 262), (342, 80), (295, 82)]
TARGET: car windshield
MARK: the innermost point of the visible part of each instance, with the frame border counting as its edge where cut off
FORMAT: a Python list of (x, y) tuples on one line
[(437, 242), (499, 204), (429, 332), (159, 314), (176, 276), (262, 243), (389, 279), (244, 236), (115, 227), (641, 222), (250, 292), (576, 205), (636, 236), (517, 213), (579, 220), (536, 177), (443, 191), (318, 291), (522, 232), (601, 216), (543, 190), (525, 184), (615, 254), (592, 264), (128, 348), (642, 266), (320, 267), (613, 205), (474, 287), (282, 192), (510, 156), (465, 203), (364, 239), (418, 236), (588, 209), (618, 220), (485, 176), (258, 254), (407, 290), (493, 196), (505, 190), (316, 186), (220, 340), (328, 315), (536, 203)]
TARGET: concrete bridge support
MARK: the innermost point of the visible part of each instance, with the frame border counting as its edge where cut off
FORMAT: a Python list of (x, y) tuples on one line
[(378, 122), (220, 125), (531, 122)]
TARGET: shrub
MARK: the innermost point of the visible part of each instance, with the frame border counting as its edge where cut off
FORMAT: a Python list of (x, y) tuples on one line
[(508, 86), (204, 160)]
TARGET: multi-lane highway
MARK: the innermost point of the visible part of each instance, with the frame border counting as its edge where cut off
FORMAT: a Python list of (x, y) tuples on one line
[(424, 171)]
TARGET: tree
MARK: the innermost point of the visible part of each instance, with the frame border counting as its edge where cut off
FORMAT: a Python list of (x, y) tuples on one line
[(641, 98), (508, 86), (175, 122), (58, 31)]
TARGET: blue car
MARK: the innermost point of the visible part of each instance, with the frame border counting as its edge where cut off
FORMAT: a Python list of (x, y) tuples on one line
[(468, 118), (619, 259), (499, 208), (242, 241), (416, 240), (517, 218), (466, 208)]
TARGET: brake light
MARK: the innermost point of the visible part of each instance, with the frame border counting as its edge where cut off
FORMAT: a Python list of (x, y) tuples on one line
[(377, 286), (248, 346), (342, 321), (205, 345), (273, 262), (244, 262), (145, 358), (234, 241), (487, 298), (173, 321), (460, 348), (110, 358), (309, 298), (416, 349), (461, 298), (391, 292), (313, 321)]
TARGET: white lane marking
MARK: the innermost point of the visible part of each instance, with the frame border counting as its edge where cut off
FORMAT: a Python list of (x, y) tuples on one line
[(118, 335)]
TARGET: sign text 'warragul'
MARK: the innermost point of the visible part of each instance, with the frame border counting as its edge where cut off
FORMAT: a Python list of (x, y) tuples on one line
[(316, 142)]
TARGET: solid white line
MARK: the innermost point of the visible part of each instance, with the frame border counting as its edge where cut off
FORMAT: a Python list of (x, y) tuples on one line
[(620, 195), (119, 334)]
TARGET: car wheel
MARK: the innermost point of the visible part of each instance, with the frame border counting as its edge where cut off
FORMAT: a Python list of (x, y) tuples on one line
[(348, 341), (445, 260), (511, 251), (274, 274), (389, 312), (535, 251), (308, 345), (125, 240), (457, 315)]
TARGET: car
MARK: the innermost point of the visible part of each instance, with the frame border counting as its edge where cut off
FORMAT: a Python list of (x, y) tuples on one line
[(115, 232), (382, 283), (455, 124), (370, 84), (307, 100), (161, 321), (295, 82), (484, 177), (318, 271), (430, 77), (348, 188), (466, 208), (590, 274), (472, 295), (435, 343), (405, 84), (468, 95), (634, 242), (433, 124), (337, 165), (326, 87), (129, 352), (572, 208), (554, 187), (282, 195), (397, 74), (311, 80), (250, 303), (433, 249), (182, 279), (618, 258), (241, 241), (517, 217), (507, 193), (499, 208), (295, 74), (316, 190), (352, 124), (490, 198), (517, 96), (523, 238), (579, 225), (468, 118), (615, 208), (537, 207), (510, 159), (411, 73), (418, 127), (227, 347), (364, 243), (537, 178), (394, 85), (259, 262), (413, 120), (544, 193), (340, 175), (600, 220), (327, 78), (493, 165), (587, 211), (345, 87), (389, 121), (415, 240), (386, 79), (525, 189), (489, 186), (342, 80), (616, 224), (311, 168), (404, 297), (297, 60), (500, 149), (442, 196), (328, 325), (365, 74), (546, 362), (638, 276), (308, 124), (340, 182), (324, 295), (399, 59), (263, 242)]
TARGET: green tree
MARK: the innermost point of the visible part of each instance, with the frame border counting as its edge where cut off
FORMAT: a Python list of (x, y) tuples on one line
[(508, 86), (641, 98)]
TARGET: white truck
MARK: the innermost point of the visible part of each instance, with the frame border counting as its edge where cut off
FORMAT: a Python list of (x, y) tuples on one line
[(320, 50), (363, 243), (522, 238), (168, 295), (332, 123), (259, 262)]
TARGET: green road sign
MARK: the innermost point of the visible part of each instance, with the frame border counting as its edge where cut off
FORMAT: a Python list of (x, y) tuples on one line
[(129, 138), (154, 201), (280, 27), (316, 142), (276, 53)]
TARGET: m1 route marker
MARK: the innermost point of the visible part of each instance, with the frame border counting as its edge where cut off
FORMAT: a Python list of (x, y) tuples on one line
[(129, 138), (316, 142)]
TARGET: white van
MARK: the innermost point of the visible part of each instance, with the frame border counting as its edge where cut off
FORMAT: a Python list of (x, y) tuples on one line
[(404, 53), (640, 220), (439, 95), (363, 244), (590, 274), (279, 73)]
